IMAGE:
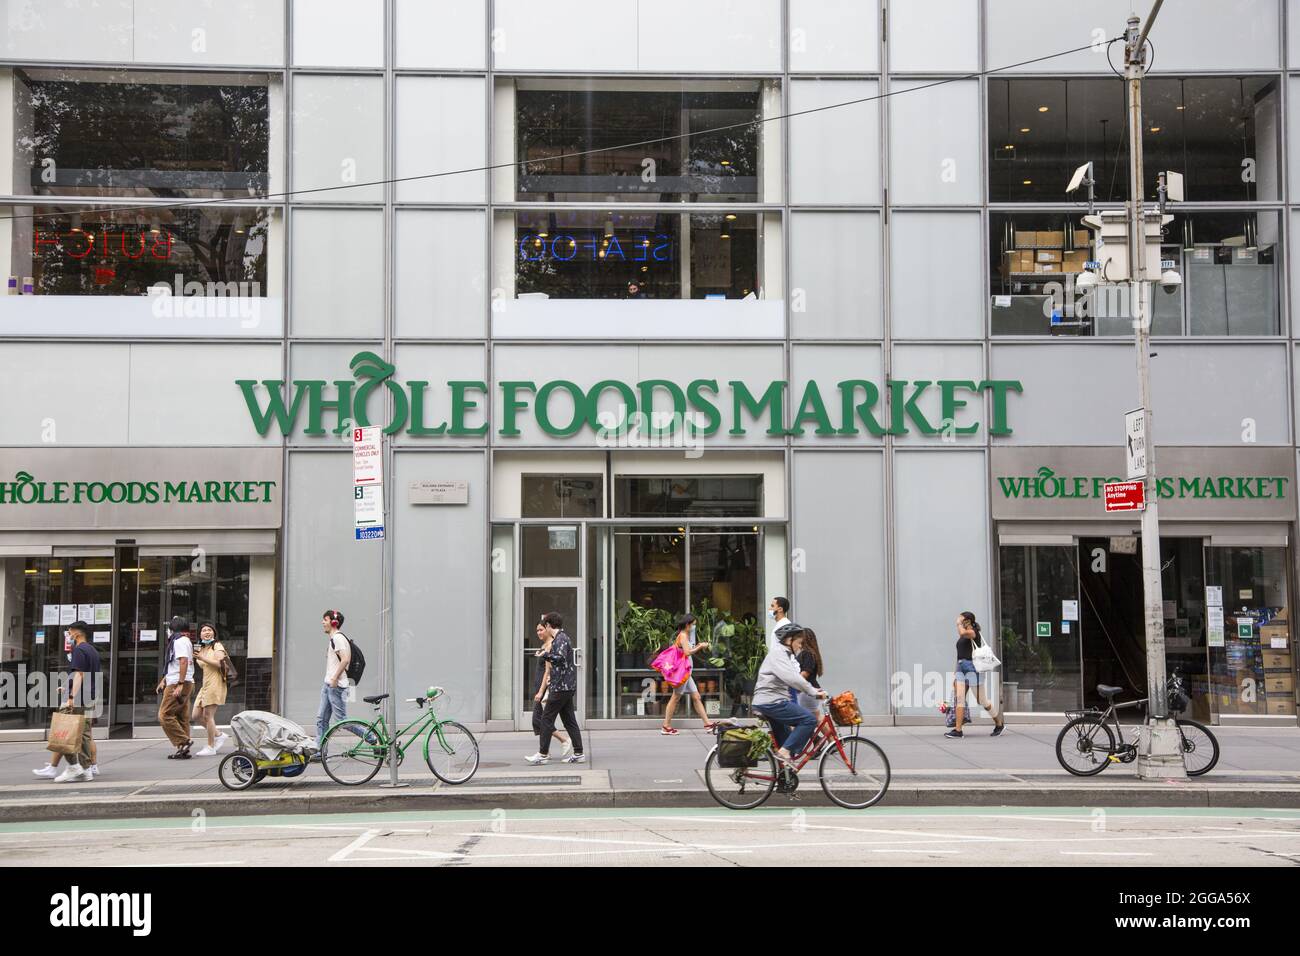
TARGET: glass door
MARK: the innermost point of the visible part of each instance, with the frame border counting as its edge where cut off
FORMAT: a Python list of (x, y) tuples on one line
[(535, 599)]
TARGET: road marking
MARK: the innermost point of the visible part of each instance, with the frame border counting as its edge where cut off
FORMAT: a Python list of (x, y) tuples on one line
[(926, 852), (133, 866), (667, 781), (1099, 853), (356, 844)]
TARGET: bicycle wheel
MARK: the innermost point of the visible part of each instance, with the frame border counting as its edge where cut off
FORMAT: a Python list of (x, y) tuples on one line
[(1200, 747), (347, 756), (238, 771), (1079, 746), (451, 752), (854, 774), (740, 788)]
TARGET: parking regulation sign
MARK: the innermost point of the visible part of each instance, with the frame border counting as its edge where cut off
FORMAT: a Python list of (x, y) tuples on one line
[(1125, 496)]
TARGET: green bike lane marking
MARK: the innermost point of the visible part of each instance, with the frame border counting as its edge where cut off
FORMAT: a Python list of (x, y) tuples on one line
[(703, 814)]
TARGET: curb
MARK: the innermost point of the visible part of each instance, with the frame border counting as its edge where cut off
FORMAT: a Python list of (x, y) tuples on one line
[(1171, 796)]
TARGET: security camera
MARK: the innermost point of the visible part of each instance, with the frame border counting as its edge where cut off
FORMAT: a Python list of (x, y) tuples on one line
[(1085, 282), (1170, 281)]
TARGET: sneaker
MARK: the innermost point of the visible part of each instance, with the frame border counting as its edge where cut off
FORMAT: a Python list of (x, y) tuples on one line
[(997, 730), (668, 731), (222, 740), (538, 758), (957, 734), (93, 770), (74, 774), (49, 771), (205, 752), (568, 749), (576, 758)]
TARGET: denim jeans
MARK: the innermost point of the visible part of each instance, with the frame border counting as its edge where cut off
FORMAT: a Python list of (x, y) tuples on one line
[(792, 726), (333, 708)]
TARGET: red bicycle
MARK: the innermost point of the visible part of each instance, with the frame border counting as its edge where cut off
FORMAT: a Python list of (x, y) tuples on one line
[(853, 771)]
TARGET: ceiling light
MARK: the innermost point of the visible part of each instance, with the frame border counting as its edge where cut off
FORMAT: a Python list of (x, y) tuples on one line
[(1008, 146), (724, 162), (543, 234), (725, 235), (1180, 108), (730, 216), (1024, 129), (645, 268), (1155, 129), (1042, 109), (1026, 182)]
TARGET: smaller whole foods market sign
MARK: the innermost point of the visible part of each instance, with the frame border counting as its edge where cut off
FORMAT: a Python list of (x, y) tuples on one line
[(1193, 483), (564, 409)]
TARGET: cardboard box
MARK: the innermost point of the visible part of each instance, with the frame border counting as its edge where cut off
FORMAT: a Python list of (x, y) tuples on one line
[(1026, 238), (1269, 631), (1277, 660), (1073, 261), (1082, 237), (1280, 707), (1048, 255), (1054, 239), (1047, 267), (1280, 615), (1279, 684)]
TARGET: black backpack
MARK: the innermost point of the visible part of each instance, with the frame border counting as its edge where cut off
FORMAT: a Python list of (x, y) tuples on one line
[(356, 661)]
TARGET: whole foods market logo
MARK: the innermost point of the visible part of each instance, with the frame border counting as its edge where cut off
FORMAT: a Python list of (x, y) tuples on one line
[(26, 490), (1046, 483), (702, 407)]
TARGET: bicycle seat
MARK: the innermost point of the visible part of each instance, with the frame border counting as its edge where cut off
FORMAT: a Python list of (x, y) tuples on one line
[(376, 699), (1108, 692)]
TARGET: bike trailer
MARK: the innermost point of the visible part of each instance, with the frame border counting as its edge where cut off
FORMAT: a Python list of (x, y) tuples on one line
[(270, 735)]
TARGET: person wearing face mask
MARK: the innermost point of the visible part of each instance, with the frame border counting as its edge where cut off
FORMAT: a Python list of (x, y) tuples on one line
[(687, 644), (778, 616)]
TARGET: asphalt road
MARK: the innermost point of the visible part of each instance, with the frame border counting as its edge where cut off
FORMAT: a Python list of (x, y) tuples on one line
[(800, 837)]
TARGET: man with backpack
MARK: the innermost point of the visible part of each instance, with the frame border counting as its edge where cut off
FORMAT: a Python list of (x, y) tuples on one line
[(334, 692)]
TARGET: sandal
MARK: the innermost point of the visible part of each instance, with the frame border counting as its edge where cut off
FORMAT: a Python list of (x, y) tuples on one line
[(668, 731), (182, 752)]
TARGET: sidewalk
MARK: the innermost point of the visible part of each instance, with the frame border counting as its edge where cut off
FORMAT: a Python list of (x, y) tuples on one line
[(1257, 768)]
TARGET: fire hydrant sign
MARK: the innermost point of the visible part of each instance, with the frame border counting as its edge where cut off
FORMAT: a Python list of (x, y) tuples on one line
[(368, 482), (367, 456), (1125, 496)]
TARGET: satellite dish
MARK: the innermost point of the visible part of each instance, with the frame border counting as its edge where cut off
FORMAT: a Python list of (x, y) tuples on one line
[(1080, 174)]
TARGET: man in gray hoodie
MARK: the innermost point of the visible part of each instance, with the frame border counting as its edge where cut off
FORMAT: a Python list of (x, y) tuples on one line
[(792, 725)]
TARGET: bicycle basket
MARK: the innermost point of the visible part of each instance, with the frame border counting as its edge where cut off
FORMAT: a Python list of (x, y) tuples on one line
[(737, 748), (845, 710)]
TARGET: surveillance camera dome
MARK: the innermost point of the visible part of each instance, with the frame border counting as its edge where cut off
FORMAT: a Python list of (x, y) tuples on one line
[(1170, 281), (1086, 281)]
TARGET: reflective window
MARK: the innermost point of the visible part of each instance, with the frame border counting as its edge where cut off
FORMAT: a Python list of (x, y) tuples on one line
[(557, 128), (1230, 263), (571, 254), (1040, 671), (1221, 133), (1251, 665), (194, 250), (551, 551), (109, 133), (727, 496)]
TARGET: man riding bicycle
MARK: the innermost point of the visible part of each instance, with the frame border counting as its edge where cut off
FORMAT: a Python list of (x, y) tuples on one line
[(792, 725)]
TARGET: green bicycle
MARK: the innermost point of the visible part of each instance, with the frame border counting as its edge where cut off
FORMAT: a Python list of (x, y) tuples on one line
[(353, 750)]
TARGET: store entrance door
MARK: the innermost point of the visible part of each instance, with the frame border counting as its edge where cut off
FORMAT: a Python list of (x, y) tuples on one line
[(1113, 626), (536, 598)]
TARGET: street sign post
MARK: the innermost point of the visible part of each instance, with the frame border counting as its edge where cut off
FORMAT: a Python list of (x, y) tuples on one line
[(1135, 443), (1125, 496), (368, 482)]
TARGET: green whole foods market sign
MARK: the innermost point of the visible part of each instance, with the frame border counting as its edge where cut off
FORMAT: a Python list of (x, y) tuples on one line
[(1046, 484), (701, 407)]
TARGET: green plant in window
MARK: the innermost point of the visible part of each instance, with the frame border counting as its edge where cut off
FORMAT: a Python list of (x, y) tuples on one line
[(643, 628)]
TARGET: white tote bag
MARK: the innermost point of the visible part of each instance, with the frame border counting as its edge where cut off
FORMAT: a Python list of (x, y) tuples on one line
[(984, 660)]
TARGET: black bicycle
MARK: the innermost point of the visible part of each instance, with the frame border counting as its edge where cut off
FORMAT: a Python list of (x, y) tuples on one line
[(1087, 745)]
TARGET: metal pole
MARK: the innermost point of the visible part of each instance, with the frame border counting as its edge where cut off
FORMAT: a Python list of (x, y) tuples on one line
[(1159, 751)]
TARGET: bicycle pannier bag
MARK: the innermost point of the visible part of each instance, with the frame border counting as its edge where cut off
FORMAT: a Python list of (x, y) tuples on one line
[(734, 747), (845, 710)]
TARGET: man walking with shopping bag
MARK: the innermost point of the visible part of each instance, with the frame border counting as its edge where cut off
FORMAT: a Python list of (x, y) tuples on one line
[(79, 705)]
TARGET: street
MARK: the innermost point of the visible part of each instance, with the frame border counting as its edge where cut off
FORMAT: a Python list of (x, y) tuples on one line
[(697, 837)]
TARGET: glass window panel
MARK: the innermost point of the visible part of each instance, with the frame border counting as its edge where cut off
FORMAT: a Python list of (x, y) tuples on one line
[(428, 108), (933, 137), (338, 287), (726, 496), (923, 307), (1034, 258), (195, 250), (834, 153), (835, 275), (934, 35), (689, 164), (577, 254), (338, 33), (447, 36), (1252, 674), (1231, 266), (1038, 673), (338, 138), (440, 287), (118, 133)]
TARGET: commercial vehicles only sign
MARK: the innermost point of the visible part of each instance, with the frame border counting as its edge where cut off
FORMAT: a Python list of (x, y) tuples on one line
[(368, 482)]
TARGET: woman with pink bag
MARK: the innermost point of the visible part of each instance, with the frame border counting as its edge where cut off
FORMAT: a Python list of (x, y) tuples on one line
[(674, 662)]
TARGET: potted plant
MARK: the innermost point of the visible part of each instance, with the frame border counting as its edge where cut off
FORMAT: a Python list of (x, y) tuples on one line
[(641, 631)]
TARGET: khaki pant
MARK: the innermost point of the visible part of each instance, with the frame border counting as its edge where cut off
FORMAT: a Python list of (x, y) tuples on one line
[(174, 713), (82, 757)]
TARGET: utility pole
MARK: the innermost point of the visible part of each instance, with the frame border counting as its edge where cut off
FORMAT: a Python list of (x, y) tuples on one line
[(1159, 745)]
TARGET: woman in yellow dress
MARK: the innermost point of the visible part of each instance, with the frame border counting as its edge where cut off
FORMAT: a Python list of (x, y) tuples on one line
[(210, 652)]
